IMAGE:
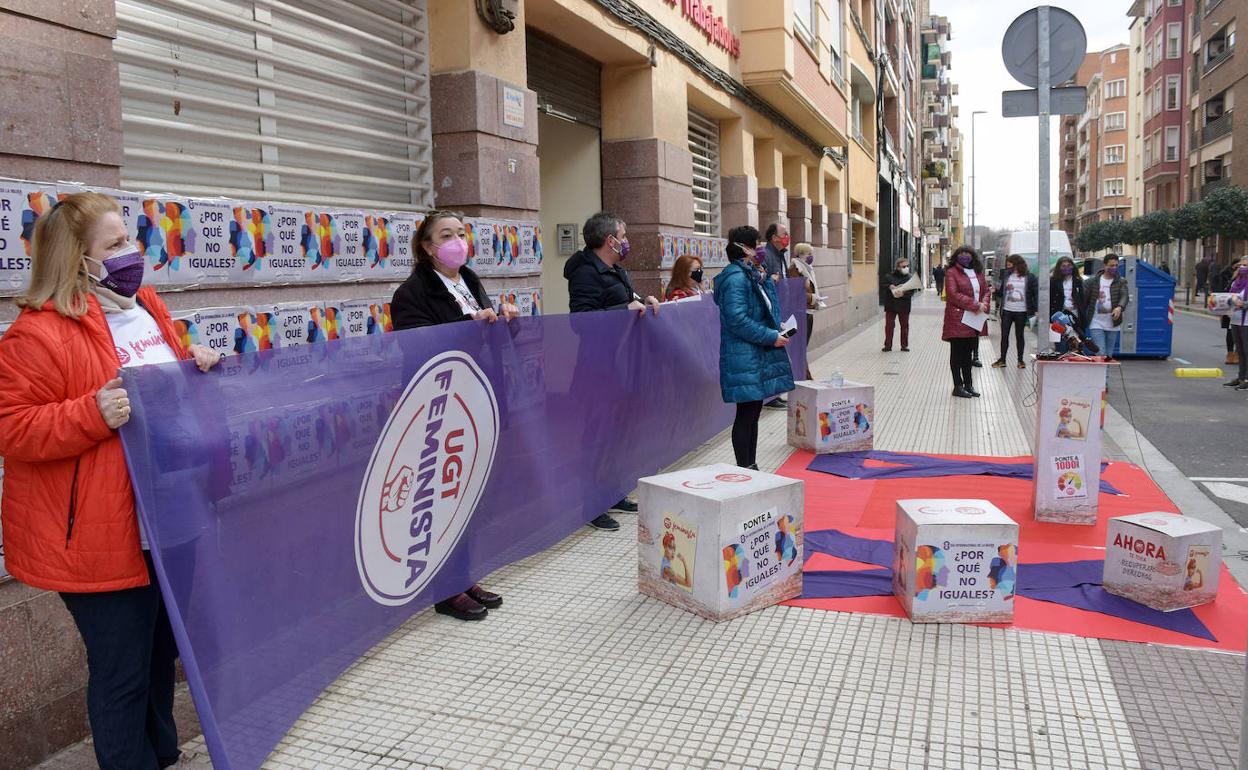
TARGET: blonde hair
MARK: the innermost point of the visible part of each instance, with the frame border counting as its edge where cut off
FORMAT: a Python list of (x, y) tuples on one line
[(802, 249), (60, 243)]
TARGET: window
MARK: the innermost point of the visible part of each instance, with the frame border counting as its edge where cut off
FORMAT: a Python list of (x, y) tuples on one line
[(1174, 40), (1148, 56), (838, 39), (1172, 143), (804, 14), (1115, 89), (704, 146), (1174, 3), (1115, 187), (1157, 47), (1148, 151), (1172, 91), (1157, 98), (1115, 121), (1115, 153)]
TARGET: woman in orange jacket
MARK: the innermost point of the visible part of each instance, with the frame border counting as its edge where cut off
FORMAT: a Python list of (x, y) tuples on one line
[(69, 518)]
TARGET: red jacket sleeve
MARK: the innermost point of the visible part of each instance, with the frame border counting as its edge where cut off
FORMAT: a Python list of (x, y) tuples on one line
[(159, 312), (959, 299), (37, 423)]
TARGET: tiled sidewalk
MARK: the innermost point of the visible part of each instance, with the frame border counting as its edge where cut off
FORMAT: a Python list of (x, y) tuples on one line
[(578, 670)]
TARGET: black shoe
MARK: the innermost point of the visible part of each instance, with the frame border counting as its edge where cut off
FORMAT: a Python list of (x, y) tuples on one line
[(962, 393), (1233, 383), (751, 467), (886, 349), (905, 350), (779, 403), (624, 506), (1022, 365), (975, 363), (1242, 385), (604, 522), (974, 393), (487, 599), (461, 606)]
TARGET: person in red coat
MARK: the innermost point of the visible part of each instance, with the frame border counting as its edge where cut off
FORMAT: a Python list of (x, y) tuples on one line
[(966, 291), (69, 518)]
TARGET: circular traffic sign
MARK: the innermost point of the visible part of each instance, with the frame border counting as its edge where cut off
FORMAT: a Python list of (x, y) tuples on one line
[(1020, 48)]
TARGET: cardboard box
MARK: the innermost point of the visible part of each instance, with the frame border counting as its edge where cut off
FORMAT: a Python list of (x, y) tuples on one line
[(955, 561), (824, 418), (1068, 441), (1163, 560), (720, 541)]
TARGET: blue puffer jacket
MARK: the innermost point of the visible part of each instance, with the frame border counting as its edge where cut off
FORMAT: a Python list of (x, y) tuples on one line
[(750, 367)]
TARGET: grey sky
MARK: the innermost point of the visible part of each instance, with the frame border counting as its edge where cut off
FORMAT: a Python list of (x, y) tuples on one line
[(1006, 155)]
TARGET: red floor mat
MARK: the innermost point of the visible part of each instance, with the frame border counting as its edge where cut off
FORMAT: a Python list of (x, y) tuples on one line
[(867, 508)]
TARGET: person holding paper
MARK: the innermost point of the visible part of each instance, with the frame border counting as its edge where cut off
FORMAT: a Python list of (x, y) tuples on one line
[(896, 304), (753, 365), (70, 521), (443, 289), (966, 315)]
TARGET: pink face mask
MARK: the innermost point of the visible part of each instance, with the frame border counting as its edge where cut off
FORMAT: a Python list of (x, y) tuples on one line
[(452, 253)]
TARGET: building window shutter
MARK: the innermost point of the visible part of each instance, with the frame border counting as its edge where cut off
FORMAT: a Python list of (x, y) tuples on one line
[(704, 145), (323, 101)]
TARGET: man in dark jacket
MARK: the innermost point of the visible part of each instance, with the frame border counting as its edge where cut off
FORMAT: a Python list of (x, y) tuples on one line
[(1107, 296), (597, 281), (777, 252), (896, 307), (1202, 277)]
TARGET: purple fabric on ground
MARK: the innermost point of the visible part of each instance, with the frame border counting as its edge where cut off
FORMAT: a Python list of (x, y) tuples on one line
[(853, 465), (1071, 583)]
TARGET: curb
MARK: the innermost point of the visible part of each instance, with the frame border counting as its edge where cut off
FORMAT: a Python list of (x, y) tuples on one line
[(1195, 311)]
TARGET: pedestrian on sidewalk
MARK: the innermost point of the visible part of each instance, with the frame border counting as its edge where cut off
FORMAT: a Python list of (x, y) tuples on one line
[(896, 305), (1202, 277), (1018, 294), (966, 292), (597, 280), (443, 289), (686, 279), (775, 265), (1066, 295), (753, 365), (1107, 295), (1239, 321), (803, 266), (70, 521), (938, 275), (1221, 282)]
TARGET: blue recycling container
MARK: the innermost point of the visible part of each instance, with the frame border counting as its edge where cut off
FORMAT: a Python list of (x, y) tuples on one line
[(1148, 328)]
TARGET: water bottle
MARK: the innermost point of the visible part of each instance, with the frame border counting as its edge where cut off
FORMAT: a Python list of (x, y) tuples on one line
[(838, 379)]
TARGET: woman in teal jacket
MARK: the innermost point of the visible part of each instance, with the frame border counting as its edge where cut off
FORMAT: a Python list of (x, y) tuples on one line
[(753, 365)]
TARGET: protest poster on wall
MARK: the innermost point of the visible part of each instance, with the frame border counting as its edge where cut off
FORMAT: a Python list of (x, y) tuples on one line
[(319, 242), (208, 253), (377, 247), (164, 227), (218, 328), (249, 242), (403, 229), (529, 261), (283, 244), (20, 206), (297, 323), (354, 317), (350, 261)]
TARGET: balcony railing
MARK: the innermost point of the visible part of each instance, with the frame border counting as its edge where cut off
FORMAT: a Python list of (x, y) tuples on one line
[(1209, 6), (1216, 128), (865, 142), (1216, 60)]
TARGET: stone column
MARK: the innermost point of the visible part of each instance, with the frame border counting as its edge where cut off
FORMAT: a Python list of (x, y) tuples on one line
[(799, 212), (738, 196), (62, 119), (649, 184), (482, 166), (818, 225)]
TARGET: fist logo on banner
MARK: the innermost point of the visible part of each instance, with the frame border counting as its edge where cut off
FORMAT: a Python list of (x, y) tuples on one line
[(425, 477)]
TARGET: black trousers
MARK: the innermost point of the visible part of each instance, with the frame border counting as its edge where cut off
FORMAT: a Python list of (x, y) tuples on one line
[(130, 675), (745, 433), (1018, 320), (1241, 342), (961, 350)]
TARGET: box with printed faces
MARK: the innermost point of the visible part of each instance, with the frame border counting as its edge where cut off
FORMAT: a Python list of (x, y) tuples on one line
[(1067, 463), (824, 418), (720, 541), (1166, 561), (955, 561)]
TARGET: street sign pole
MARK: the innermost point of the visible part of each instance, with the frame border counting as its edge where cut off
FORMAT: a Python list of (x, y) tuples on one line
[(1042, 227)]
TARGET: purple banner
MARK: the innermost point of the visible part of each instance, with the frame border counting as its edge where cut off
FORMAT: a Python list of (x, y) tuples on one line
[(302, 503)]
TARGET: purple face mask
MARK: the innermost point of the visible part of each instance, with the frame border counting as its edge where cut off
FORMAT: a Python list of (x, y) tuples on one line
[(965, 260), (624, 249), (810, 259), (123, 271), (760, 253), (1067, 269), (1111, 272)]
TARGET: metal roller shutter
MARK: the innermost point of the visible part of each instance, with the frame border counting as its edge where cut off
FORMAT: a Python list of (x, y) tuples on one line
[(704, 144), (312, 101), (568, 84)]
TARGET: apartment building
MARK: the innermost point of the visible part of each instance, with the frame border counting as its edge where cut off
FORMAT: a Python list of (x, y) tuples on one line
[(899, 137), (1102, 142), (941, 176)]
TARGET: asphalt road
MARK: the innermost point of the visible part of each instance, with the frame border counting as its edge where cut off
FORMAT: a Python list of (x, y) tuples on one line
[(1201, 426)]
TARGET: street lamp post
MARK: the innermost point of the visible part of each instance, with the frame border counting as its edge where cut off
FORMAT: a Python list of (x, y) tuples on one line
[(974, 195)]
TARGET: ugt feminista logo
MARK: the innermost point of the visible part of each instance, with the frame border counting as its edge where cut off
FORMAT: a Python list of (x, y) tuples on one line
[(425, 477)]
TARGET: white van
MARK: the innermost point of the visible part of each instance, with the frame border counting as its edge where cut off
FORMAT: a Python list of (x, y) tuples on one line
[(1027, 244)]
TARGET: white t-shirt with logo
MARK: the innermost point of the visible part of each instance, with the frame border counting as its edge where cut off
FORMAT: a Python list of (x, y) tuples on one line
[(461, 293), (1068, 288), (138, 339), (139, 342), (1015, 293), (970, 273), (1104, 319)]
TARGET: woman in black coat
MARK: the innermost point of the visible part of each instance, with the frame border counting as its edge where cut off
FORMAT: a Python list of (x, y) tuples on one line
[(441, 289), (1066, 295)]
